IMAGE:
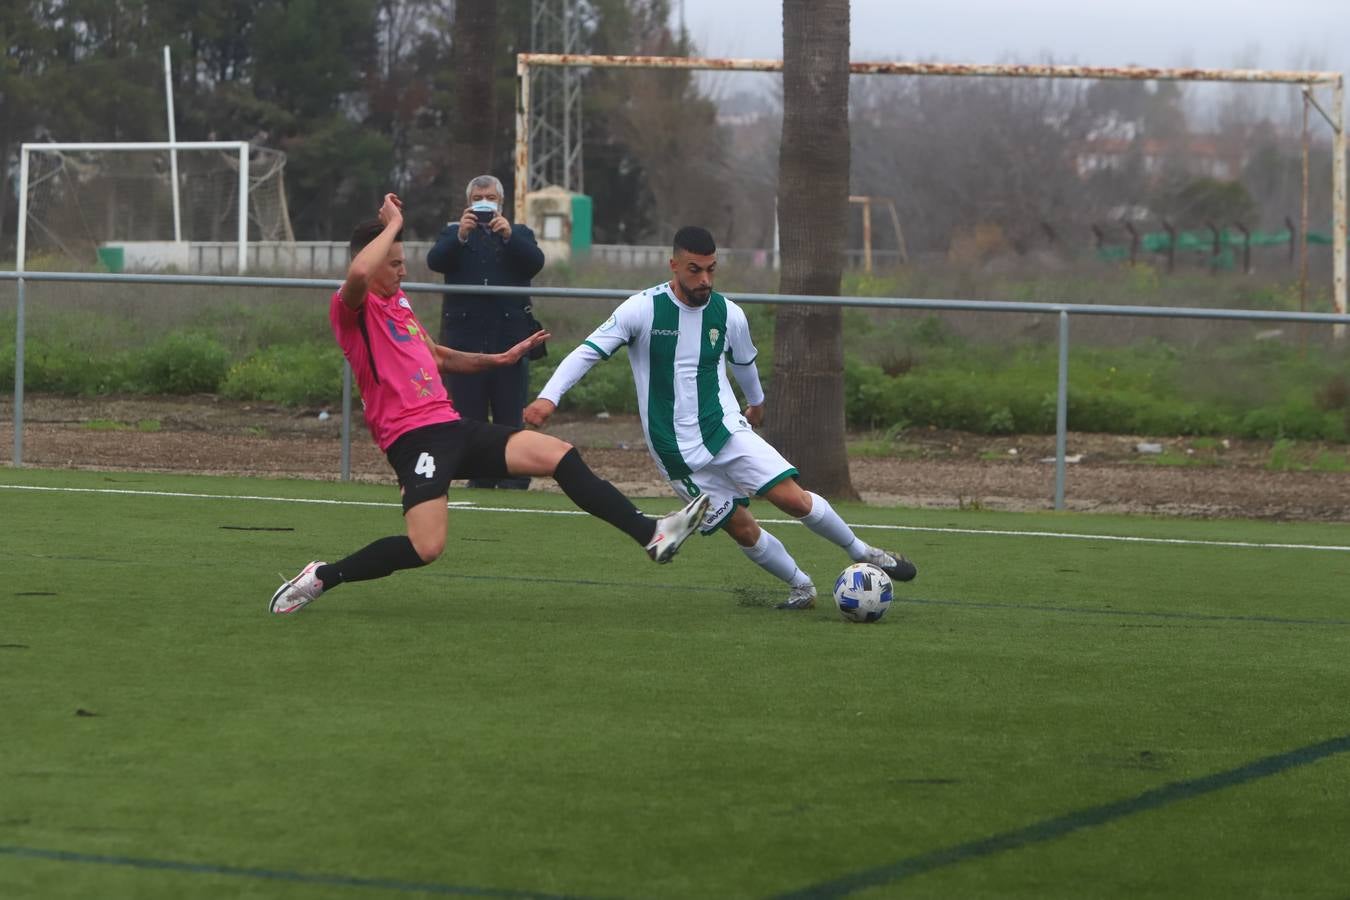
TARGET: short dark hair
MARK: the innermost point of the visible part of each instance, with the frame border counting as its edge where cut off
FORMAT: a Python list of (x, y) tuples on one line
[(695, 240), (368, 231)]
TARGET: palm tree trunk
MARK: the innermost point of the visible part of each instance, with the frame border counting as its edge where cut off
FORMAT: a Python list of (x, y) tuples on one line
[(805, 417), (473, 127)]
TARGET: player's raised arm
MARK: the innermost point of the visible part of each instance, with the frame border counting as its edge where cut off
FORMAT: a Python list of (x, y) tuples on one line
[(357, 283), (571, 370), (449, 359)]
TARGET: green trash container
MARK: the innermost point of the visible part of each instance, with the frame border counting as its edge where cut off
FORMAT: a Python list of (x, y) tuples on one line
[(113, 258), (582, 215)]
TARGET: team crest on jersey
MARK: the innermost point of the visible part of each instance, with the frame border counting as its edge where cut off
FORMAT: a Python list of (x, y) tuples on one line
[(712, 335)]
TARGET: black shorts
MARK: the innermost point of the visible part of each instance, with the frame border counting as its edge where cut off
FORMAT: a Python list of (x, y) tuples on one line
[(427, 459)]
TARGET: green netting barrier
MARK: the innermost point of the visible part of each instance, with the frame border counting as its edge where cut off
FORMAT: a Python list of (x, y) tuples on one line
[(1203, 242)]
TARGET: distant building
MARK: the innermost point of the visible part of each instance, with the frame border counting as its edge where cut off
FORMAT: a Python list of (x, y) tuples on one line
[(1204, 156)]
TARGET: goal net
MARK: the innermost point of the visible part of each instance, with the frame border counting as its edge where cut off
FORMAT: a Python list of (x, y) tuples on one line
[(83, 199)]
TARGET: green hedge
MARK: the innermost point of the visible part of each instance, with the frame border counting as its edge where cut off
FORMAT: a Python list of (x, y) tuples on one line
[(909, 374), (297, 375)]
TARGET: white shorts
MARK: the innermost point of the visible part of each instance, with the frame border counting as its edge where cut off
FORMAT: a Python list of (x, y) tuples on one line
[(745, 467)]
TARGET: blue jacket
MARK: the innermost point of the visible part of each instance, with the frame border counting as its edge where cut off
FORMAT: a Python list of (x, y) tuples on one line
[(482, 323)]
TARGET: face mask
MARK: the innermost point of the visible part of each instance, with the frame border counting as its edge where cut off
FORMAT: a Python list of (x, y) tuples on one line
[(484, 206)]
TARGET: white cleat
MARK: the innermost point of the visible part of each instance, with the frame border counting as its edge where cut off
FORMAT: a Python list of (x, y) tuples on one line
[(674, 528), (299, 591), (800, 597)]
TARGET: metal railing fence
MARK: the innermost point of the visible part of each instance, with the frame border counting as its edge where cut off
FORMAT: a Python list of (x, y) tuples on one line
[(1061, 310)]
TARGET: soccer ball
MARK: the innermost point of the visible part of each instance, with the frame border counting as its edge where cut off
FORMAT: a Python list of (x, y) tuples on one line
[(862, 593)]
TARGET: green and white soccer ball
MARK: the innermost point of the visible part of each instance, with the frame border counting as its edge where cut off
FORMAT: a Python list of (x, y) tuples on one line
[(863, 593)]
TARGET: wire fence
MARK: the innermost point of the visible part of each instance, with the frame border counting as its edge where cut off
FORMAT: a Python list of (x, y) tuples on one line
[(1061, 311)]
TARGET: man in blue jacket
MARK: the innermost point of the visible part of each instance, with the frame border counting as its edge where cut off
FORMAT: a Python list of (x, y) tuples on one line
[(484, 248)]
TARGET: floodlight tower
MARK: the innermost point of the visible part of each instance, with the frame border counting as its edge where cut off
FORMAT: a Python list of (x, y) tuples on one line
[(556, 26)]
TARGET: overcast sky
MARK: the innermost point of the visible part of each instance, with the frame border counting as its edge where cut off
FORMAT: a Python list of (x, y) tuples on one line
[(1270, 34)]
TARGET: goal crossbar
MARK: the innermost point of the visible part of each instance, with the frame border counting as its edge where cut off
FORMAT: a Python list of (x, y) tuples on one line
[(1308, 79)]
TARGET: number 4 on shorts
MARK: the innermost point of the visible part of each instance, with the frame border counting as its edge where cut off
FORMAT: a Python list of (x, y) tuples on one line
[(426, 466)]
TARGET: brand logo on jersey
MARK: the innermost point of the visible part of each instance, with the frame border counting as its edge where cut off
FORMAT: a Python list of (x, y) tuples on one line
[(712, 335), (666, 332), (422, 381)]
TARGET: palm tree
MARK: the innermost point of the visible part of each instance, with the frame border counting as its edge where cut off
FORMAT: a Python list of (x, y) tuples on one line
[(806, 406), (474, 60)]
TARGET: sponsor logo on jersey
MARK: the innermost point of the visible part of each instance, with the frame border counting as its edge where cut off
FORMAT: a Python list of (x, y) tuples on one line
[(609, 323), (666, 332), (403, 302)]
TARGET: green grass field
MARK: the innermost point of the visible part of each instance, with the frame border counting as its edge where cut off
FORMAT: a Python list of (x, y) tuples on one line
[(1048, 711)]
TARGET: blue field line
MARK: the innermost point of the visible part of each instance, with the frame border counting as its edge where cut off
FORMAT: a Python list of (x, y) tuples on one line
[(1060, 826), (470, 506), (916, 601), (1131, 613), (344, 881)]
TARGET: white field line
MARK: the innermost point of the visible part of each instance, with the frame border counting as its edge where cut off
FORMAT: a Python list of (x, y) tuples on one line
[(470, 506)]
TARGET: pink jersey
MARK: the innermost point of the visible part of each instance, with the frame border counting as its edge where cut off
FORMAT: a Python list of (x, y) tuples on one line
[(395, 370)]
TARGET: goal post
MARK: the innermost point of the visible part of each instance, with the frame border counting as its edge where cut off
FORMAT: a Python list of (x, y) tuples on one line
[(70, 189), (238, 151), (1307, 79)]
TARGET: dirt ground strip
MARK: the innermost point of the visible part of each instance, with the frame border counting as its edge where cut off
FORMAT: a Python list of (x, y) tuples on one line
[(923, 469)]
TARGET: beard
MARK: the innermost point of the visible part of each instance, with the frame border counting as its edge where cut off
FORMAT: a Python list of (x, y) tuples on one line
[(697, 296)]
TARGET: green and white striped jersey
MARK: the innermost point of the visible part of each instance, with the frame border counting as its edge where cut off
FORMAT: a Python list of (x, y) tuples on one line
[(687, 405)]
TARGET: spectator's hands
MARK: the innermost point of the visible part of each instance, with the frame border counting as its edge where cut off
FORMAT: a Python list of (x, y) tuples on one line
[(537, 413), (391, 210), (500, 227), (519, 351), (754, 415), (467, 223)]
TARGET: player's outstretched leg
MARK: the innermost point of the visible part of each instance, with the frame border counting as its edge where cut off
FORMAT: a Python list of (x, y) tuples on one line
[(824, 521), (532, 453), (422, 544), (815, 512)]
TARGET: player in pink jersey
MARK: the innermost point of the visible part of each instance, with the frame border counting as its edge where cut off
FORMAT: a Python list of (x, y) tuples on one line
[(427, 443)]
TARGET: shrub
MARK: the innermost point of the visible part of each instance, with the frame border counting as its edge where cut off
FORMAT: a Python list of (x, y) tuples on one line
[(54, 366), (182, 363), (295, 375)]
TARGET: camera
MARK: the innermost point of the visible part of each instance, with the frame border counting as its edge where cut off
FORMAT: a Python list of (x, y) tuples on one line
[(484, 211)]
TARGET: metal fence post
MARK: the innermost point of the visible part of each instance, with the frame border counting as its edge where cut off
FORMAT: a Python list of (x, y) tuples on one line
[(346, 421), (1062, 407), (18, 380)]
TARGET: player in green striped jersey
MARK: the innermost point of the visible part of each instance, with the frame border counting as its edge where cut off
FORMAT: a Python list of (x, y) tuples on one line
[(678, 334)]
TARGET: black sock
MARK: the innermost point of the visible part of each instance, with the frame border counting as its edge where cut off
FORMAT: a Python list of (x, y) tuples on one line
[(601, 499), (376, 560)]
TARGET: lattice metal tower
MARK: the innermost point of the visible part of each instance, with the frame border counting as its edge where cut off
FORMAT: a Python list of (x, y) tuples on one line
[(556, 26)]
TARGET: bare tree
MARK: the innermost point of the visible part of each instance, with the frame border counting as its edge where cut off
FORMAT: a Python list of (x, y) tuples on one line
[(807, 404)]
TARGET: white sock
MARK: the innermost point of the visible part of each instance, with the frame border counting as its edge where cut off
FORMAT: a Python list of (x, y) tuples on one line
[(771, 556), (824, 521)]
